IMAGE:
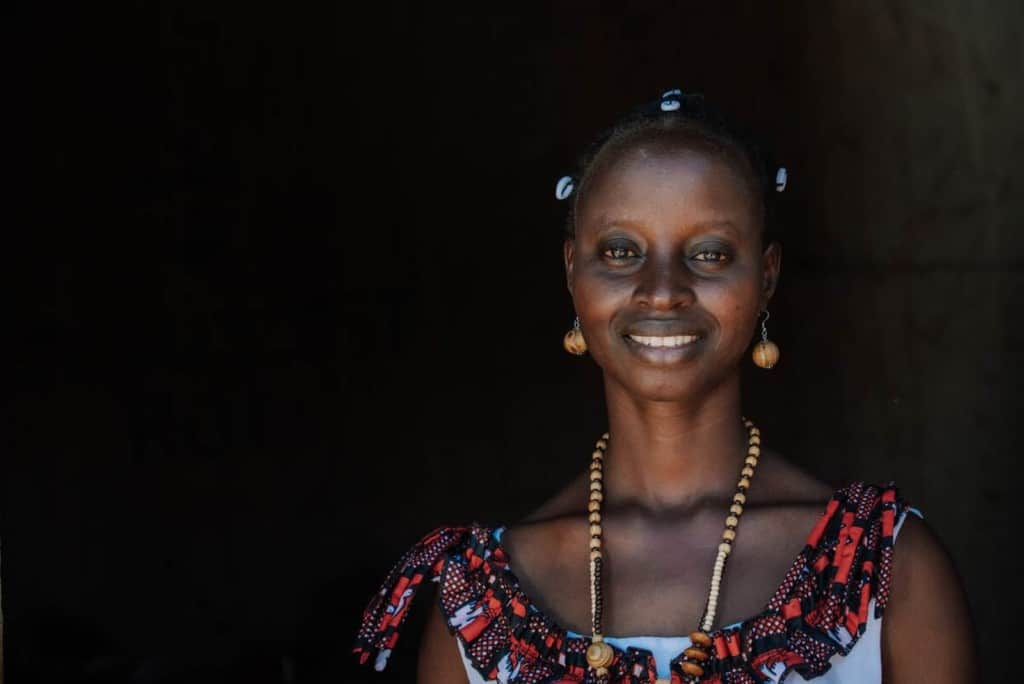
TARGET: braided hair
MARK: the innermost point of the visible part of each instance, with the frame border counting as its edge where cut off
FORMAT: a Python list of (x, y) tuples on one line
[(690, 117)]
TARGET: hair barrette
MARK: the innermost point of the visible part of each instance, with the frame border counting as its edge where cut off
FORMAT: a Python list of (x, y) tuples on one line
[(564, 187), (670, 100), (780, 179)]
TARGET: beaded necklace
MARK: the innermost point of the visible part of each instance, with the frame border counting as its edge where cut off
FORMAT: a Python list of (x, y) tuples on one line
[(599, 654)]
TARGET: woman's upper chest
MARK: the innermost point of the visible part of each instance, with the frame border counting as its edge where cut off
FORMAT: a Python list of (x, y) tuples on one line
[(658, 571)]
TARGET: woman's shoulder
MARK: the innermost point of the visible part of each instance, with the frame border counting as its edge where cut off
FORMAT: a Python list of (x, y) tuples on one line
[(782, 482), (457, 549), (928, 633)]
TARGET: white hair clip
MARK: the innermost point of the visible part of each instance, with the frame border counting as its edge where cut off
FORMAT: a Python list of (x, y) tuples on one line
[(670, 100), (565, 186), (780, 179)]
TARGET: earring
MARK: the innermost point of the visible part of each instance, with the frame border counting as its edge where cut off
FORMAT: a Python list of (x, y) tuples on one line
[(574, 342), (766, 352)]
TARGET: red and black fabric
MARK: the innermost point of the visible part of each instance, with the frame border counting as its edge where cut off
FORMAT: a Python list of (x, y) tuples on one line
[(387, 611), (820, 610)]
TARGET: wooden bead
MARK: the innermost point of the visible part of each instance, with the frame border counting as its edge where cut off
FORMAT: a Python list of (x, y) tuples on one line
[(595, 543), (595, 530), (600, 654), (595, 517), (595, 554), (754, 450), (700, 638), (755, 440), (751, 461), (596, 495), (693, 669), (736, 509), (593, 506), (595, 485), (604, 436), (574, 342), (732, 521), (739, 497), (747, 471), (598, 456), (754, 430), (725, 548), (729, 535), (695, 653), (596, 475), (602, 444), (744, 483)]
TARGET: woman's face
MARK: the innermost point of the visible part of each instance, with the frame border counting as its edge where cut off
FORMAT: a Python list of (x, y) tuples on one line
[(666, 269)]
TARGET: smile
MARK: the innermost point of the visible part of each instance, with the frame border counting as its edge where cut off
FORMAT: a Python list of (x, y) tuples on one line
[(669, 341)]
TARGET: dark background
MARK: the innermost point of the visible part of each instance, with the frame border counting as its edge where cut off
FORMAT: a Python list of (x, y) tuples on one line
[(292, 288)]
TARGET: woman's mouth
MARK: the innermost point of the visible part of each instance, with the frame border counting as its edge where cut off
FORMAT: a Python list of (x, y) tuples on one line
[(667, 341), (662, 350)]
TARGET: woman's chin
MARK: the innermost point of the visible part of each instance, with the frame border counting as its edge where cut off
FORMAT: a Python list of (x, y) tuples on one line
[(646, 385)]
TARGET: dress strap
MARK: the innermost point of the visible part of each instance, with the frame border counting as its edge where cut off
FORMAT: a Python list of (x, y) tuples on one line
[(389, 608)]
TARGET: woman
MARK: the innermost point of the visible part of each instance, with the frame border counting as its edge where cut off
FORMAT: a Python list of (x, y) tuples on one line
[(671, 268)]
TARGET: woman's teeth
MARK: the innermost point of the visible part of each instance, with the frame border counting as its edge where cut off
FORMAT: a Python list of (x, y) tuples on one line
[(665, 341)]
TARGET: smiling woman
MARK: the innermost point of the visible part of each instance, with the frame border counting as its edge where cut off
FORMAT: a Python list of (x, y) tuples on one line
[(671, 263)]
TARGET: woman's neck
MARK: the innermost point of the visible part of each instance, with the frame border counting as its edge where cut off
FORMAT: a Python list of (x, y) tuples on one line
[(668, 455)]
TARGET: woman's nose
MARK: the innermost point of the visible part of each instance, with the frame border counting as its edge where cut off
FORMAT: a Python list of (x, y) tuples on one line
[(664, 285)]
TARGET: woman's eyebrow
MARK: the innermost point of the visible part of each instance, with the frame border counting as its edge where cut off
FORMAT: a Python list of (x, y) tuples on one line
[(606, 221), (722, 224)]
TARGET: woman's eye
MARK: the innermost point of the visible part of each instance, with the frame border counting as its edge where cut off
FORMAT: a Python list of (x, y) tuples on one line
[(712, 256), (618, 252)]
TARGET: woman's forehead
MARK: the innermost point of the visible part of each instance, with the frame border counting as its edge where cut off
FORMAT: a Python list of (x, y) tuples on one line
[(656, 181)]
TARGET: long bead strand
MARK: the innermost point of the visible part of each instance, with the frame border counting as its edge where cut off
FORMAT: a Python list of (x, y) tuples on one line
[(600, 655)]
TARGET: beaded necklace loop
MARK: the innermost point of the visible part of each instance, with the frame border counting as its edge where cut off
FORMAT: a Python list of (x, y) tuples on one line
[(599, 654)]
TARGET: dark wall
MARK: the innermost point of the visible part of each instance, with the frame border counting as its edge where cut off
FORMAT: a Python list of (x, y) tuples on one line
[(293, 296)]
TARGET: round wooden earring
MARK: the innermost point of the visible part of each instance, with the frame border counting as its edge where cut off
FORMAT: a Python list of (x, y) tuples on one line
[(574, 342), (766, 352)]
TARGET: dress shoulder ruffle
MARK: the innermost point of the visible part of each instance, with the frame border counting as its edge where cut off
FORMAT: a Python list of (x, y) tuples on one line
[(821, 609)]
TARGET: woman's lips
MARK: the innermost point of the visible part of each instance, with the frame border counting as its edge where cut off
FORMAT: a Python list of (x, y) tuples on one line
[(664, 349), (664, 341)]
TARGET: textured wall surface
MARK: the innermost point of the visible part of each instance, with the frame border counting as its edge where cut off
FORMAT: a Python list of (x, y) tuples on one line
[(913, 264)]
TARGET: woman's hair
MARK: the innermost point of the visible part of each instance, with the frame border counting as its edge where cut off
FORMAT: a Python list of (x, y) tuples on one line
[(689, 118)]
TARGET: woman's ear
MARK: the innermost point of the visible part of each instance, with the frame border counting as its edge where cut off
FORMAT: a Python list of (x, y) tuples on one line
[(569, 253), (771, 268)]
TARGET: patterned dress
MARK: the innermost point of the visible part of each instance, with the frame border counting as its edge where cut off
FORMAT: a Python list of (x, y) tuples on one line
[(837, 587)]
